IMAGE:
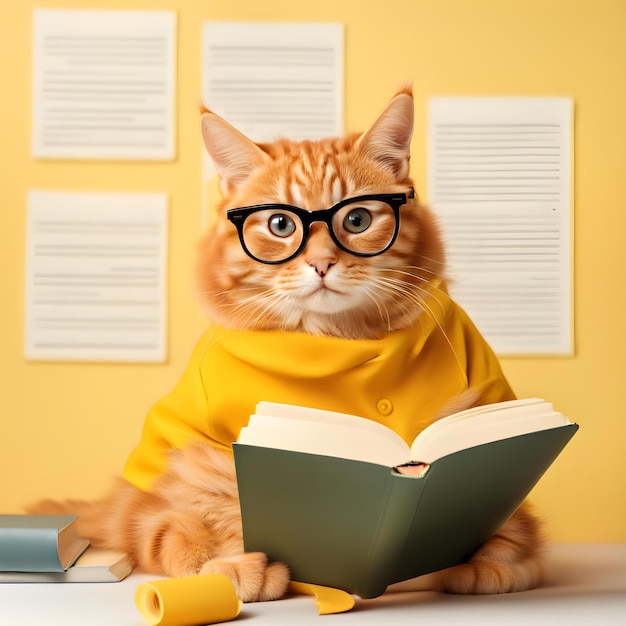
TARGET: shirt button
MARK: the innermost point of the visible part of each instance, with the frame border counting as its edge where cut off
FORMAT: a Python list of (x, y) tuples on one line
[(384, 406)]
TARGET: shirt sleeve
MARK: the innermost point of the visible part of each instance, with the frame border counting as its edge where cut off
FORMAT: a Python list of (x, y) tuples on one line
[(484, 372), (172, 422)]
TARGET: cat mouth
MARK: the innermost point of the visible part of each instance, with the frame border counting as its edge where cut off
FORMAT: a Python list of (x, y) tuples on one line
[(321, 297), (323, 288), (324, 299)]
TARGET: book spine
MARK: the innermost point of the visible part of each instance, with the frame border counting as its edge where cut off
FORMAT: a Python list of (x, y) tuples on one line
[(397, 512), (29, 550)]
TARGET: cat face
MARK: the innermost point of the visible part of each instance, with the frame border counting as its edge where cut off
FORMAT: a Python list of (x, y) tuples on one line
[(325, 288)]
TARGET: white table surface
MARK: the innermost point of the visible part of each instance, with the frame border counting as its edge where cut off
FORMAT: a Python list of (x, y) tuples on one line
[(585, 584)]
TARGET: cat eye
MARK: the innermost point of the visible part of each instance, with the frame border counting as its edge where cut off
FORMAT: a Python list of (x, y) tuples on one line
[(357, 221), (281, 225), (276, 233)]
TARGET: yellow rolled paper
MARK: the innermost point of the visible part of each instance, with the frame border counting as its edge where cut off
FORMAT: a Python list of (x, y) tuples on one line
[(188, 601), (329, 600)]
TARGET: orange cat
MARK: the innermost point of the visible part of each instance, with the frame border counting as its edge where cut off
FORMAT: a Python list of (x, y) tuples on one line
[(323, 278)]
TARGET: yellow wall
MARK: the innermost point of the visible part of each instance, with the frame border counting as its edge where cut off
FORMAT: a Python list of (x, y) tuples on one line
[(66, 428)]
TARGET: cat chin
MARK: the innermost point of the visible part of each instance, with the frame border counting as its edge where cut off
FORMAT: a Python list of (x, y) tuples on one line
[(327, 302)]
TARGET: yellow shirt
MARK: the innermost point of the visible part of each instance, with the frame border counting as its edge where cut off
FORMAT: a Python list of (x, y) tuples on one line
[(401, 381)]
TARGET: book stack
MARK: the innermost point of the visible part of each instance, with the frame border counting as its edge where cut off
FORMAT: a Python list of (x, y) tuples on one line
[(48, 548)]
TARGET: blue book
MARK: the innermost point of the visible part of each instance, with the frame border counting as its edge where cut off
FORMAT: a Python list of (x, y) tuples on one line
[(39, 543)]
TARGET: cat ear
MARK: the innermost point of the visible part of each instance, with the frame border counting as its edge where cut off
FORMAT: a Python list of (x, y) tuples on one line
[(234, 155), (388, 140)]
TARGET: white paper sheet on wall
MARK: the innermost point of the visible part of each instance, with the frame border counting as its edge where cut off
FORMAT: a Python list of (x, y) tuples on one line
[(275, 79), (104, 84), (499, 177), (95, 276)]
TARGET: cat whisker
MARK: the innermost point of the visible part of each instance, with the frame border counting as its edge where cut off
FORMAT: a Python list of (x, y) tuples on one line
[(371, 293), (433, 287), (216, 335), (252, 299), (410, 292), (432, 291), (276, 308), (247, 310), (417, 273)]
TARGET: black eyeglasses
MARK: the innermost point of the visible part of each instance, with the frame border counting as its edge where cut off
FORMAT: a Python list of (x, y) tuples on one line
[(276, 233)]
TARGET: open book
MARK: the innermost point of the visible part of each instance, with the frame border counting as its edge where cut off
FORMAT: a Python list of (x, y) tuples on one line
[(350, 437), (319, 490)]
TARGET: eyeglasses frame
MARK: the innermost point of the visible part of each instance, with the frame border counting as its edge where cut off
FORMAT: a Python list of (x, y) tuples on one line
[(238, 217)]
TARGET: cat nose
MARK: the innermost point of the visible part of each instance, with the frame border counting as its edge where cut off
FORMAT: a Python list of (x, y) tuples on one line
[(321, 252), (321, 266)]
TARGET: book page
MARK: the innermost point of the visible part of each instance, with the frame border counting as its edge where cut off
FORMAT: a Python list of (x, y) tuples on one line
[(93, 565), (103, 84), (95, 276), (327, 433), (484, 424), (499, 178), (100, 557)]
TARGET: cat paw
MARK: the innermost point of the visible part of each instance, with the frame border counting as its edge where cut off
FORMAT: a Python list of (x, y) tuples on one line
[(508, 562), (489, 577), (254, 578)]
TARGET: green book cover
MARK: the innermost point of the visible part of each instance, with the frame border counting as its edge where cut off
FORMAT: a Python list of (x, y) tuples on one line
[(39, 543), (361, 526)]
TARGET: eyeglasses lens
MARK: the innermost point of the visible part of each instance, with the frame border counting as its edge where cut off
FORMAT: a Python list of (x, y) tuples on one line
[(272, 234)]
